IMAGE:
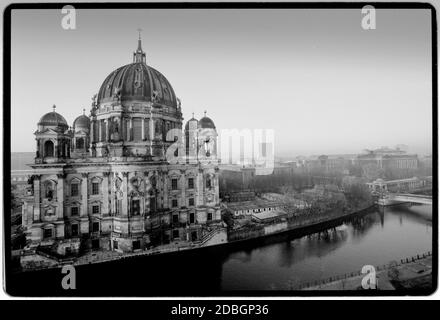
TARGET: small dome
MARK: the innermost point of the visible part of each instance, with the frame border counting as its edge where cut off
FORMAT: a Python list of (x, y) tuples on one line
[(206, 123), (82, 122), (53, 119)]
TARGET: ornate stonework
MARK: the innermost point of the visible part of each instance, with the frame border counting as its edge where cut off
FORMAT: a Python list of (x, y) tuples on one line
[(106, 182)]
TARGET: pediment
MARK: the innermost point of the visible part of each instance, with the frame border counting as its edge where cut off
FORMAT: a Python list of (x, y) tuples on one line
[(81, 132), (47, 131)]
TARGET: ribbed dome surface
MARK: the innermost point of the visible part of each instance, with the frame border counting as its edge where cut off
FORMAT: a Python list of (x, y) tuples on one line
[(53, 119), (82, 122), (137, 81)]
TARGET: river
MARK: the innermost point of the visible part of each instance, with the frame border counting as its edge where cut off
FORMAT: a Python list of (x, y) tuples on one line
[(389, 234), (276, 263)]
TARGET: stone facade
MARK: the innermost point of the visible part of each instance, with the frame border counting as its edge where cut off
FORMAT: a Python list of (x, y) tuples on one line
[(121, 179)]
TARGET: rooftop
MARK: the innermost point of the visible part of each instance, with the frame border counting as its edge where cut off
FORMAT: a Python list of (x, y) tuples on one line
[(254, 204), (269, 215)]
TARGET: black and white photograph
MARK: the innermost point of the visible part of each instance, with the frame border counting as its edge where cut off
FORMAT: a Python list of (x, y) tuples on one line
[(218, 150)]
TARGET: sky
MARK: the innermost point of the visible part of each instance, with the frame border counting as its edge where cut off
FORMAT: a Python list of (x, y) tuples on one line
[(316, 77)]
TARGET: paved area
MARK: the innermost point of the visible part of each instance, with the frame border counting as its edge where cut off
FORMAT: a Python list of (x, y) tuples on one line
[(412, 275)]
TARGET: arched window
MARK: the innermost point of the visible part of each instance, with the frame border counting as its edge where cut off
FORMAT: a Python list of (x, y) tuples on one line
[(48, 190), (48, 149), (79, 143)]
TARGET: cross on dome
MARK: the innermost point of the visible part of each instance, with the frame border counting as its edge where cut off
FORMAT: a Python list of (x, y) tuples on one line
[(139, 54)]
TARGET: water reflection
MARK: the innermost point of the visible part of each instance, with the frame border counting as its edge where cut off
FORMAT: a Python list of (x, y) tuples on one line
[(375, 238)]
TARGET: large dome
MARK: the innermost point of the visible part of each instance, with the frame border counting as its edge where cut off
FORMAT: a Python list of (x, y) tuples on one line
[(137, 81)]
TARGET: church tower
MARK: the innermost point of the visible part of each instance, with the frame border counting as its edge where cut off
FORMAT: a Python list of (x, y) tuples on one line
[(53, 138)]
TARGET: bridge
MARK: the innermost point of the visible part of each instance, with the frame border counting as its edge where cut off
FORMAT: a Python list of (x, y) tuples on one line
[(395, 198), (401, 191), (409, 185)]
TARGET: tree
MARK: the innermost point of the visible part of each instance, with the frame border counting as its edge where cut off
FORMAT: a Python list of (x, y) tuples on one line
[(356, 190)]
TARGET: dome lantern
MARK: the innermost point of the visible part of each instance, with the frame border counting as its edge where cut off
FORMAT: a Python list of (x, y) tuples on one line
[(139, 54)]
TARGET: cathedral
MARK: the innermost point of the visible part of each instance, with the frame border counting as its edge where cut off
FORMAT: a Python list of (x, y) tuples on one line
[(126, 177)]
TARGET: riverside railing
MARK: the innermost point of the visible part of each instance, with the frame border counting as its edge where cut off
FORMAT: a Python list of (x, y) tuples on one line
[(317, 283)]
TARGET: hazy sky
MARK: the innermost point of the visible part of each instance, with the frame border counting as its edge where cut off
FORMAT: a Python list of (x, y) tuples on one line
[(315, 76)]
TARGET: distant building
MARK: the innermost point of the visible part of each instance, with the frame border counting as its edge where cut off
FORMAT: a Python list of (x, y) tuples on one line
[(328, 164), (396, 163), (269, 216), (247, 208)]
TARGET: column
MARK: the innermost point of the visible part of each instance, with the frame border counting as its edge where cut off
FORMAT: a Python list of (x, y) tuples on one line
[(151, 129), (92, 132), (126, 130), (130, 131), (41, 149), (60, 196), (114, 201), (165, 188), (84, 195), (37, 198), (163, 181), (147, 194), (216, 186), (100, 130), (120, 130), (182, 188), (107, 130), (199, 186), (124, 212), (55, 149), (143, 129), (105, 199), (38, 154)]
